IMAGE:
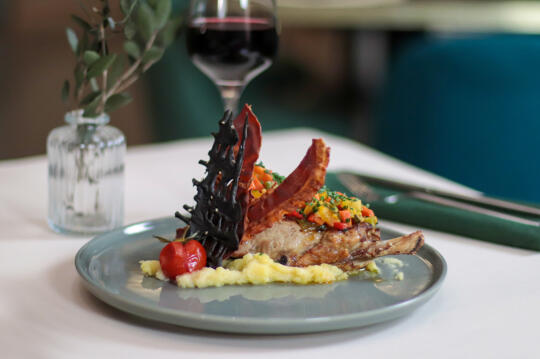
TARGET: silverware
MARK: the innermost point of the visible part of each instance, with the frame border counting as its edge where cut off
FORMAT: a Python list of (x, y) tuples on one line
[(360, 186)]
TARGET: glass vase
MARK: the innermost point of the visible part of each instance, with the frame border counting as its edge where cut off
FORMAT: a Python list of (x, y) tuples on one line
[(86, 175)]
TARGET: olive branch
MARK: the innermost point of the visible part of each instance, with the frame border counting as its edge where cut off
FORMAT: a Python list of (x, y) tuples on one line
[(101, 76)]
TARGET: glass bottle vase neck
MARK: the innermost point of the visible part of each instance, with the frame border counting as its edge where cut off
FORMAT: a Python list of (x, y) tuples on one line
[(76, 118)]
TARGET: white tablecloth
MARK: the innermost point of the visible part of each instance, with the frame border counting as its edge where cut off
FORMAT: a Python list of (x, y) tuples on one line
[(488, 307)]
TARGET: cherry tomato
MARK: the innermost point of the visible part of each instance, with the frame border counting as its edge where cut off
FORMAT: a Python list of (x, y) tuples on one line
[(178, 258), (195, 258)]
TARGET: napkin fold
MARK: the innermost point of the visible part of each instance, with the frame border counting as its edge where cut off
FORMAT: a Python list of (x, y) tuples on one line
[(442, 218)]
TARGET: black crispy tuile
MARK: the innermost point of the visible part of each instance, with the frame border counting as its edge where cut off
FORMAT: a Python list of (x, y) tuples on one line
[(217, 221)]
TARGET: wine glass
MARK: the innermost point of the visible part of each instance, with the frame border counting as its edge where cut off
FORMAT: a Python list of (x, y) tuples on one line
[(232, 41)]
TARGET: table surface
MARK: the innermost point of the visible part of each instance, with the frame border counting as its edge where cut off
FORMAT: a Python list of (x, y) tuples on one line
[(487, 306)]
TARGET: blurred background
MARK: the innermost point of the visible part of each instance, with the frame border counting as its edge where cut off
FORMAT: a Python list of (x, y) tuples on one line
[(450, 86)]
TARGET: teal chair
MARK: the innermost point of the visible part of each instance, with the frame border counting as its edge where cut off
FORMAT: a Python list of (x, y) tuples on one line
[(467, 108)]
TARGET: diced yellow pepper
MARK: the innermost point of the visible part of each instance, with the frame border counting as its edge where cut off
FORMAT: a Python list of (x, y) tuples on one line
[(327, 215), (371, 220), (356, 206)]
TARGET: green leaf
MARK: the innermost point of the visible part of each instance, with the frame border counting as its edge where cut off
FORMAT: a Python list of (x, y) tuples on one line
[(65, 91), (125, 5), (162, 239), (152, 55), (82, 23), (130, 30), (90, 109), (83, 44), (94, 84), (132, 49), (79, 77), (100, 65), (162, 13), (167, 36), (127, 9), (90, 57), (116, 70), (144, 19), (89, 98), (117, 100), (72, 39)]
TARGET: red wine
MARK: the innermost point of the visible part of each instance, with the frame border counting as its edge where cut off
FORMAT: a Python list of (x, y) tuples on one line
[(232, 50)]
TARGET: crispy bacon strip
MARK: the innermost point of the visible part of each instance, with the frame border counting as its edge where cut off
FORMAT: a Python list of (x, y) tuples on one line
[(299, 187), (251, 154)]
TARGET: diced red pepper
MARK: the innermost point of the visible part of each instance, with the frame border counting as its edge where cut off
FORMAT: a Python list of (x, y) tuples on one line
[(295, 214), (257, 184), (251, 185), (366, 212), (315, 219), (265, 177), (258, 170), (344, 215), (340, 226)]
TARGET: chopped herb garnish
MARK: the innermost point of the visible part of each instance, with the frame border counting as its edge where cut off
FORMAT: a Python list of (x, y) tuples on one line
[(335, 209), (278, 178)]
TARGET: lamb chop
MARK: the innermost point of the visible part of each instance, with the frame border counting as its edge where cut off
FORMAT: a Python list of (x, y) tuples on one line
[(294, 221), (287, 241), (290, 244)]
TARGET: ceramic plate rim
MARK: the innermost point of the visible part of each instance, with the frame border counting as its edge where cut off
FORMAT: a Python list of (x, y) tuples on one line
[(256, 325)]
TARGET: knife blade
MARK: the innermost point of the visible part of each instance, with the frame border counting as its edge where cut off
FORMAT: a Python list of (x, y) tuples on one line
[(360, 186), (481, 222), (482, 200)]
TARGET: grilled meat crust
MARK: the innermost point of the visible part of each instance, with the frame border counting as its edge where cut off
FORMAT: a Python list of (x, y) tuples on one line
[(336, 246), (285, 238), (287, 242)]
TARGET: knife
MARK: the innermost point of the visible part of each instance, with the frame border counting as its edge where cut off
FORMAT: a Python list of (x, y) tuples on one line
[(433, 194), (483, 218)]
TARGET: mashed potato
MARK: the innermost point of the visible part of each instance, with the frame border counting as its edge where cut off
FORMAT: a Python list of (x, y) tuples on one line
[(251, 269)]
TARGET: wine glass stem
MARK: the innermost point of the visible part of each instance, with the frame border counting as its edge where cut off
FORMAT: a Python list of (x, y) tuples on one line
[(231, 96)]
